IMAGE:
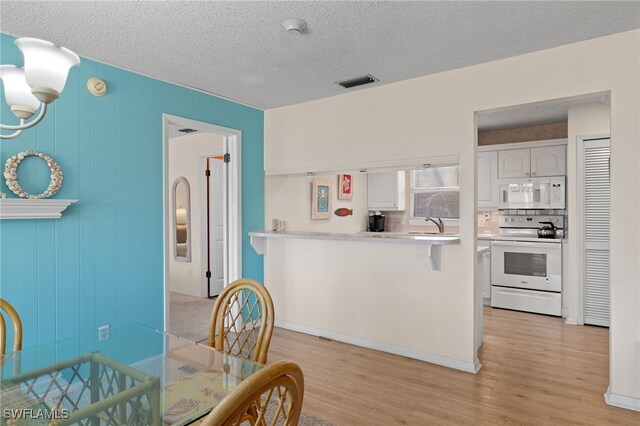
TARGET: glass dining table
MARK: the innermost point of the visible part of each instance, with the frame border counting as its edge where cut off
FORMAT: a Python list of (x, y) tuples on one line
[(128, 374)]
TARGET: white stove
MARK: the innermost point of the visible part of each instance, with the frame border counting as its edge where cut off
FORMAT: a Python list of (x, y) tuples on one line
[(525, 228), (526, 271)]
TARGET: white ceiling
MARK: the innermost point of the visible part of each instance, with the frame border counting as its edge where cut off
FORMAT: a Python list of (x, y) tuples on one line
[(239, 50)]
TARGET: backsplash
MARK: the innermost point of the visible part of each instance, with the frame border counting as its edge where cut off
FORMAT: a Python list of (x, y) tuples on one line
[(399, 222), (538, 212), (488, 221)]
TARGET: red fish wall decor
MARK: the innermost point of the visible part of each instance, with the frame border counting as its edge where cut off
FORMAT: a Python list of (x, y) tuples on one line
[(343, 212)]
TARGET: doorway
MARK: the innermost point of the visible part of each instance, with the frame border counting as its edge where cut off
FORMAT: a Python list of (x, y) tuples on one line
[(544, 136), (215, 203)]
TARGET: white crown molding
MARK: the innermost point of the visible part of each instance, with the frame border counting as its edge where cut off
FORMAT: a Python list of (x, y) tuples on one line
[(519, 145), (27, 208)]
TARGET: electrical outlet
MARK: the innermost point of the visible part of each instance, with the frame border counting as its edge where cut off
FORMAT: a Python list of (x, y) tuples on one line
[(103, 333)]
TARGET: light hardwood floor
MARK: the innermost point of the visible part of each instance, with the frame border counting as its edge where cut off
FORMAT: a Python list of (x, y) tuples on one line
[(536, 371)]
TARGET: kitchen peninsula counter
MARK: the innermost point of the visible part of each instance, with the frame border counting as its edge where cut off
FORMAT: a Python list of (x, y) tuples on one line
[(384, 290), (391, 237), (433, 242)]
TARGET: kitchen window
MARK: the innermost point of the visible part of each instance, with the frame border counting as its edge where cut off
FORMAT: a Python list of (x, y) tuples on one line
[(435, 192)]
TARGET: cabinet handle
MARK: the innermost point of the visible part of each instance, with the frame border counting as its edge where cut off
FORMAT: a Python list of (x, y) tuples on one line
[(526, 174), (534, 173)]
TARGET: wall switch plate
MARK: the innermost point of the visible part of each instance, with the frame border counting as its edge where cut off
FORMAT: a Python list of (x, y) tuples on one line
[(103, 333)]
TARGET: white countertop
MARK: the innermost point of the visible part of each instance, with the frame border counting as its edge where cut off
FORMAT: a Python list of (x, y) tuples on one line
[(483, 250), (485, 236), (431, 239), (432, 242)]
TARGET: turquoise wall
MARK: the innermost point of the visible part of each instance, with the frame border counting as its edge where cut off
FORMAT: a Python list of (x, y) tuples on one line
[(102, 262)]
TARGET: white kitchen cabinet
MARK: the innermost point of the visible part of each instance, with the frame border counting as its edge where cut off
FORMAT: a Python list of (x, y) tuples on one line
[(483, 270), (548, 161), (514, 163), (488, 180), (532, 162), (386, 191)]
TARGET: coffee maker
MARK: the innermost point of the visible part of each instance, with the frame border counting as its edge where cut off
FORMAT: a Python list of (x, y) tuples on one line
[(376, 222)]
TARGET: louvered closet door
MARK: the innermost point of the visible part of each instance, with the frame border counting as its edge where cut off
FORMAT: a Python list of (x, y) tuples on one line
[(596, 210)]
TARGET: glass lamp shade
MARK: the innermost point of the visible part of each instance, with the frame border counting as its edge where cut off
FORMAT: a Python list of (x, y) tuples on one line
[(17, 92), (46, 67)]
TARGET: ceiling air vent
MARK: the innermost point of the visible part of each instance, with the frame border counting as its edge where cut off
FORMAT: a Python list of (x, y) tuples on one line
[(186, 130), (358, 81)]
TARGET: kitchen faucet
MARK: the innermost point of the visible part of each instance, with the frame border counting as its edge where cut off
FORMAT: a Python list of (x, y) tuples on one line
[(439, 224)]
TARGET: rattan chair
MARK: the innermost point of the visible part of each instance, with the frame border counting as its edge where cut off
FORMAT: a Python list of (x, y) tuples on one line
[(272, 396), (242, 320), (17, 327)]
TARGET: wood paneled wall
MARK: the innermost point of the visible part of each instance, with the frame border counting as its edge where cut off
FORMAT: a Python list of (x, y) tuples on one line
[(102, 262), (523, 134)]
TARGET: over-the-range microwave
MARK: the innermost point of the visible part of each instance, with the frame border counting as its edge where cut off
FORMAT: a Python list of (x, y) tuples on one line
[(532, 193)]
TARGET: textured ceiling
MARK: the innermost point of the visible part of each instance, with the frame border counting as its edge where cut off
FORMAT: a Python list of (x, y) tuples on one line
[(239, 50)]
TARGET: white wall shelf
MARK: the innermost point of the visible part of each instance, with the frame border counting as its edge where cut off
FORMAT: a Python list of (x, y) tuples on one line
[(24, 208)]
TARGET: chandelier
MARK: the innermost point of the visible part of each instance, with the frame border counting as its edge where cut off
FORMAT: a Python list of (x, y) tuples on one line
[(46, 67)]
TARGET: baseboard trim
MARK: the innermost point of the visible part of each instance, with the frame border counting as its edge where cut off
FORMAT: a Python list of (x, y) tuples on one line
[(470, 367), (622, 401), (571, 321)]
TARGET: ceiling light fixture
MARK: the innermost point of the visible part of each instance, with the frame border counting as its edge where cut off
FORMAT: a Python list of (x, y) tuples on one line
[(45, 72), (294, 25)]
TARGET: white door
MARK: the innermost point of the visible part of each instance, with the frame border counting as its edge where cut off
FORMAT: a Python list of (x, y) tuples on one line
[(595, 206), (514, 163), (548, 161), (488, 180), (216, 201)]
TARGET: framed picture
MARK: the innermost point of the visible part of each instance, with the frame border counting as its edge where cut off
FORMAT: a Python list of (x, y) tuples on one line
[(321, 199), (345, 187)]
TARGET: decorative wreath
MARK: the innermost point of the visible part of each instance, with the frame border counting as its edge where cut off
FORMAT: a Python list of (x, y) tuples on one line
[(11, 174)]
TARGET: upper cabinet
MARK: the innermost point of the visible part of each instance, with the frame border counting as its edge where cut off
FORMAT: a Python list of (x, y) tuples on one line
[(514, 163), (532, 162), (386, 191), (548, 161), (516, 160), (487, 179)]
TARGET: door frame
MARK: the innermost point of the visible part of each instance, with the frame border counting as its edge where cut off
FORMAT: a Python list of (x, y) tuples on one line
[(579, 231), (233, 220)]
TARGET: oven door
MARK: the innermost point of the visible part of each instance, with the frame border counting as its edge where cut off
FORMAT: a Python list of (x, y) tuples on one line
[(528, 265)]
